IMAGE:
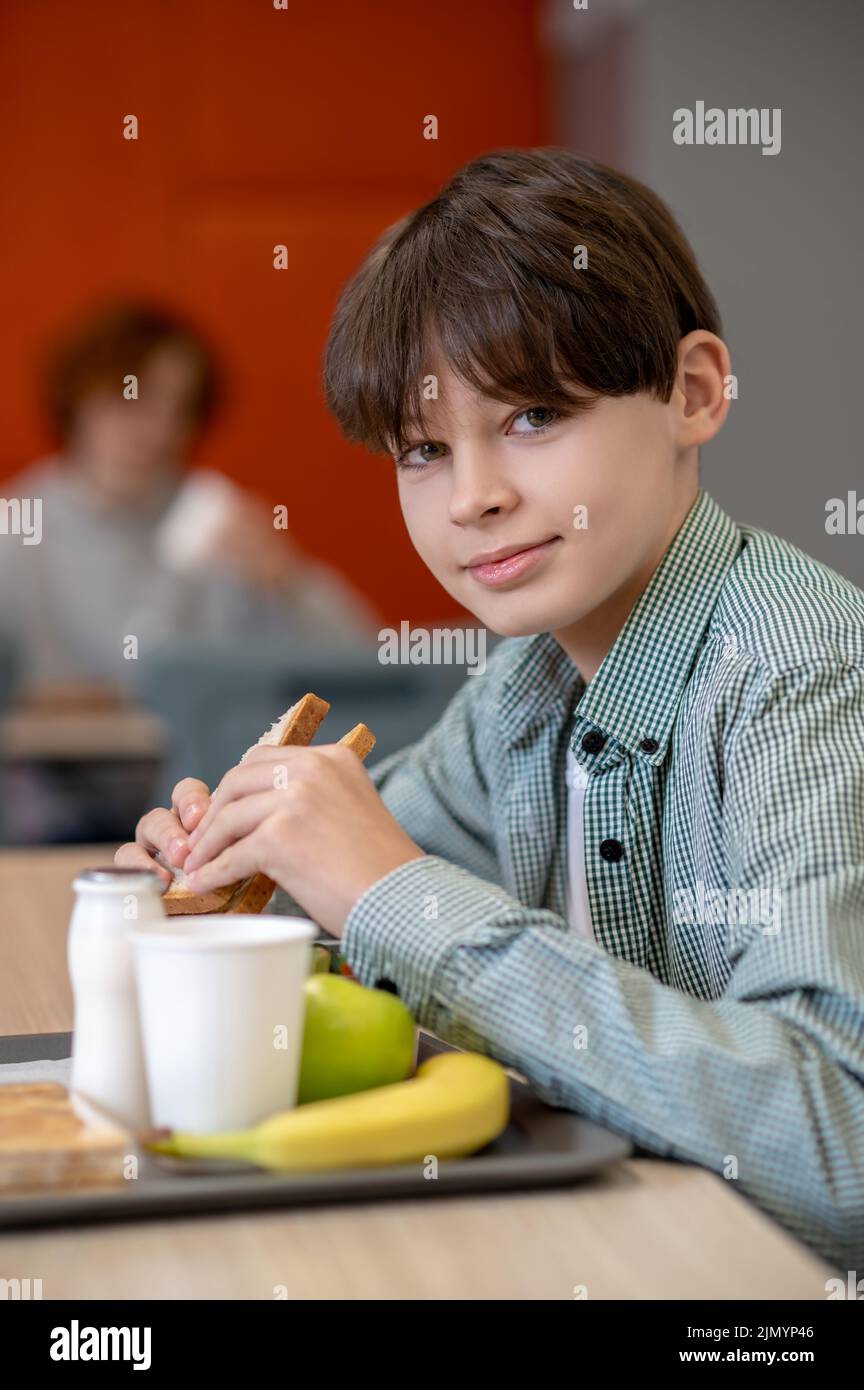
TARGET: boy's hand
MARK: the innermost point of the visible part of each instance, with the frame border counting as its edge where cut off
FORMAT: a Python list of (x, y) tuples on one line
[(309, 818), (167, 831)]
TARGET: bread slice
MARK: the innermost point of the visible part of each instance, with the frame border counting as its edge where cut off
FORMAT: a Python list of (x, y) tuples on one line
[(53, 1138), (296, 727), (255, 893)]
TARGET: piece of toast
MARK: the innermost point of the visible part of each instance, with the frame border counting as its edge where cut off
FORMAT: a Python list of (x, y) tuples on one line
[(53, 1138), (255, 893), (296, 727)]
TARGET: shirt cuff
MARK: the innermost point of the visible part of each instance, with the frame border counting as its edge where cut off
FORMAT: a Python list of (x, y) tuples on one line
[(406, 925)]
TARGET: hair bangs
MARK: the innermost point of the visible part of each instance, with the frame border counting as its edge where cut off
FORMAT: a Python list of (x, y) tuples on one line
[(540, 277)]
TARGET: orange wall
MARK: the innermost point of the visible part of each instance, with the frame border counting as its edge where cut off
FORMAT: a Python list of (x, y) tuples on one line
[(257, 126)]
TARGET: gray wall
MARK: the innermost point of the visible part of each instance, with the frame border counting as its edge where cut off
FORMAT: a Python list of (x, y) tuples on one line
[(779, 238)]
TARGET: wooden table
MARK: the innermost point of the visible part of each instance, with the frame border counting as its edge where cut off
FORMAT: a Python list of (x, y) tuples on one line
[(644, 1229)]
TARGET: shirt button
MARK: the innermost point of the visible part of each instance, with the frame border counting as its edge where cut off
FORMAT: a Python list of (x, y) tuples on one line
[(649, 745), (384, 983), (593, 741), (611, 850)]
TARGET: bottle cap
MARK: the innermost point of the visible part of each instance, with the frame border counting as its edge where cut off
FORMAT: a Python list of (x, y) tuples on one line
[(114, 876)]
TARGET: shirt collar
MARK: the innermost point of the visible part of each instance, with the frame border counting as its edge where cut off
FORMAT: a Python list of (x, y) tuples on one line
[(635, 693)]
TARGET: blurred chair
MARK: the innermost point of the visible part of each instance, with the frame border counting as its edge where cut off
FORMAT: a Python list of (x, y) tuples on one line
[(217, 700), (76, 765), (9, 667)]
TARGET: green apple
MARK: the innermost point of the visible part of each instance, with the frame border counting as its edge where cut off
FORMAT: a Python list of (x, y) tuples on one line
[(321, 960), (354, 1038)]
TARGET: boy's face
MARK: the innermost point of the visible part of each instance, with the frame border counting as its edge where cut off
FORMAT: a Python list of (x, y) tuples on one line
[(597, 497)]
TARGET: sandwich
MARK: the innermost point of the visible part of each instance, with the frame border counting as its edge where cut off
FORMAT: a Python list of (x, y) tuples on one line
[(297, 726)]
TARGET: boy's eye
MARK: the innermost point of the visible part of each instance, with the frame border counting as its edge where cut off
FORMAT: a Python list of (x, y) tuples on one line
[(538, 417), (534, 416), (416, 458)]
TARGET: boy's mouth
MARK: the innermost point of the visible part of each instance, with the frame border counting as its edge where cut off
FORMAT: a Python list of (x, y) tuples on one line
[(510, 564)]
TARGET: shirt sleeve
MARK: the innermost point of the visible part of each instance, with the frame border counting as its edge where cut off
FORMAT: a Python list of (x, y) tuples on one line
[(764, 1085)]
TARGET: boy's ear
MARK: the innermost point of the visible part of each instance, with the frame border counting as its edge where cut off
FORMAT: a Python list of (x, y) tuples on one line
[(704, 387)]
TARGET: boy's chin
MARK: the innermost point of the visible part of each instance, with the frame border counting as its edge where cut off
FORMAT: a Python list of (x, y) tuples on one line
[(542, 618), (515, 627)]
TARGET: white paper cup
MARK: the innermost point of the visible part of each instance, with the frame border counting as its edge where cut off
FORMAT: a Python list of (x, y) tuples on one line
[(203, 505), (222, 1006)]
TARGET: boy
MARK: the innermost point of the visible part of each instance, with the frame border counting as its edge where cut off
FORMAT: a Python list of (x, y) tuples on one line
[(629, 859)]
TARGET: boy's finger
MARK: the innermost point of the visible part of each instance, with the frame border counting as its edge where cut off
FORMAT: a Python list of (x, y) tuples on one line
[(246, 779), (161, 830), (189, 801), (132, 856), (236, 862), (233, 822)]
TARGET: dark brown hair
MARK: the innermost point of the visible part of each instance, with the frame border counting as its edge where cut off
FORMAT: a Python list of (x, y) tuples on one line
[(486, 269), (118, 339)]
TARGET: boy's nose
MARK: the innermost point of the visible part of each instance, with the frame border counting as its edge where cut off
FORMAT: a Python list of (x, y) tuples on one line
[(477, 488)]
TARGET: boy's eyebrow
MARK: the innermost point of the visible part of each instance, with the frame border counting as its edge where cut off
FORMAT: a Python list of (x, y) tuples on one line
[(426, 429), (413, 426), (422, 430)]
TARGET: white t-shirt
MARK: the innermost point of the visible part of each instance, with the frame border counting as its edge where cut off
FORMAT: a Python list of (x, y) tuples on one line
[(96, 576), (578, 906)]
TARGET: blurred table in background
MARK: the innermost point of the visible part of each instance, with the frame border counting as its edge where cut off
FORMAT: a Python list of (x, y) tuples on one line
[(77, 763), (35, 735)]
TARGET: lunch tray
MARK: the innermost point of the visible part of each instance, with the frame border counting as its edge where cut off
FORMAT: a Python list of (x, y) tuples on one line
[(541, 1147)]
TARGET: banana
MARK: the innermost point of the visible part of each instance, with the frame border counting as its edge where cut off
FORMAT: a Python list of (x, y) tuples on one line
[(456, 1103)]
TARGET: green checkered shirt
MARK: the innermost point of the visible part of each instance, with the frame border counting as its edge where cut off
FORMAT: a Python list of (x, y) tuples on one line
[(718, 1015)]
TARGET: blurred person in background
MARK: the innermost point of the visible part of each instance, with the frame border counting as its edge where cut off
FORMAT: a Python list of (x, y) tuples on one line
[(132, 543)]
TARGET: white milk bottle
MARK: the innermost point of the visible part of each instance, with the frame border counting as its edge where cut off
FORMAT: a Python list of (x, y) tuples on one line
[(107, 1052)]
